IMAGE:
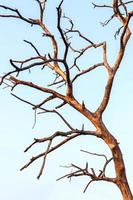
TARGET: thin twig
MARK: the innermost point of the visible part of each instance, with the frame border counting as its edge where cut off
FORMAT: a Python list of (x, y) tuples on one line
[(33, 46), (44, 159), (95, 154)]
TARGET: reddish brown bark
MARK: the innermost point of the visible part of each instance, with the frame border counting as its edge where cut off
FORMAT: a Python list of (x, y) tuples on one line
[(63, 76)]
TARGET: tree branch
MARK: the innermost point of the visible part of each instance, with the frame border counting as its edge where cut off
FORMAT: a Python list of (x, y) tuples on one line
[(69, 136), (87, 70), (17, 15), (69, 84), (90, 173), (33, 46), (44, 159), (30, 84)]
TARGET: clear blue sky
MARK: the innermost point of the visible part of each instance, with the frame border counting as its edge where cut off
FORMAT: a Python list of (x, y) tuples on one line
[(16, 118)]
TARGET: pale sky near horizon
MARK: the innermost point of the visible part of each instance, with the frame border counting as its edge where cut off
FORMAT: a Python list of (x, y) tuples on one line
[(17, 118)]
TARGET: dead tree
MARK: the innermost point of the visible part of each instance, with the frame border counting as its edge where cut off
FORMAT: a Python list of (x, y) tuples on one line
[(65, 78)]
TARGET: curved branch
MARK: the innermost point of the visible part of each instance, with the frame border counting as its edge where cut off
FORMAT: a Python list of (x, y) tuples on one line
[(30, 84), (106, 96), (17, 15), (33, 46)]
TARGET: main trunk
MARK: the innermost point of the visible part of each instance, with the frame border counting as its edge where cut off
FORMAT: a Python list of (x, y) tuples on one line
[(125, 189), (121, 178), (110, 140)]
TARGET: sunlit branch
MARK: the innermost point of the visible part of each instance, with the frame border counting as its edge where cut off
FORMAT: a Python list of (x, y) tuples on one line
[(117, 12), (56, 67), (106, 96), (62, 69), (42, 5), (123, 41), (111, 71), (105, 61), (32, 85), (29, 66), (46, 33)]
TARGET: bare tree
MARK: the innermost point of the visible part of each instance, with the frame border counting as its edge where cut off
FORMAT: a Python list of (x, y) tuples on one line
[(66, 74)]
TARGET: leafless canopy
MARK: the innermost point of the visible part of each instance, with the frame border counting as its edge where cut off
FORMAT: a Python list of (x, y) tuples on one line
[(63, 78)]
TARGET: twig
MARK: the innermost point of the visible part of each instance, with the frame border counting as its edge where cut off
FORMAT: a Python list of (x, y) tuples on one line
[(17, 15), (95, 154), (65, 121), (33, 46), (34, 119), (87, 70), (101, 6), (44, 159), (51, 97)]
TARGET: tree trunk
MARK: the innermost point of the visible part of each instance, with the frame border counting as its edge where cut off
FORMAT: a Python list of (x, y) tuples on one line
[(110, 140), (125, 189), (121, 178)]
